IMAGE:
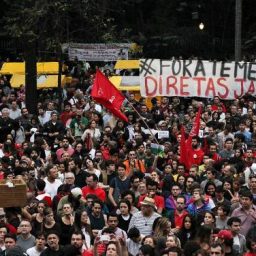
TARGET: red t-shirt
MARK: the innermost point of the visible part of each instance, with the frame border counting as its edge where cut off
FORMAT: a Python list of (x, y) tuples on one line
[(99, 192), (178, 219), (65, 116), (60, 151), (215, 108), (196, 156), (87, 253), (216, 157)]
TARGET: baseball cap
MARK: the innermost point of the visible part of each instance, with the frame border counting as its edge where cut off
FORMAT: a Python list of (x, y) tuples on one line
[(76, 192), (225, 234)]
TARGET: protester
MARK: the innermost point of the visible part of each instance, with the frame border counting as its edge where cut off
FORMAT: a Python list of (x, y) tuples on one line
[(144, 219), (39, 246), (239, 243), (134, 241), (25, 240), (247, 211), (54, 248), (10, 241)]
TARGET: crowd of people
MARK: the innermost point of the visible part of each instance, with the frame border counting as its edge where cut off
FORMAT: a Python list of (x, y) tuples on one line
[(96, 187)]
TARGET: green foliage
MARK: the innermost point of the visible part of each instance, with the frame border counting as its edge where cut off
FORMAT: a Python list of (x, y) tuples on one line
[(51, 23), (173, 24)]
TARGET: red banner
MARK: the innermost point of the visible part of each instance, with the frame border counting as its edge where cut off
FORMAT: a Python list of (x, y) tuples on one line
[(105, 93)]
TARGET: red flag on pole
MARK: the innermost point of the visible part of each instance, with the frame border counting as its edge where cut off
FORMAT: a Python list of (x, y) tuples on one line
[(105, 93), (195, 128)]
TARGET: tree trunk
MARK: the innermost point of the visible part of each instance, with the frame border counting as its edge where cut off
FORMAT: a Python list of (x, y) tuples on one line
[(31, 77)]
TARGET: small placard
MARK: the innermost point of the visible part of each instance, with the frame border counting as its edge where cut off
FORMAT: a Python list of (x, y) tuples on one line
[(163, 134)]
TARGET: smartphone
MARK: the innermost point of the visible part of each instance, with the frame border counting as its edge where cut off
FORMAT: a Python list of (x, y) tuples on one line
[(105, 238)]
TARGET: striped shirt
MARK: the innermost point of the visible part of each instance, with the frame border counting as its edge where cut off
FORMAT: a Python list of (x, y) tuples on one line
[(142, 223)]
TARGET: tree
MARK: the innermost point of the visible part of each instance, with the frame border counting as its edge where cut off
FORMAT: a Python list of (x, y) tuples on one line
[(43, 25)]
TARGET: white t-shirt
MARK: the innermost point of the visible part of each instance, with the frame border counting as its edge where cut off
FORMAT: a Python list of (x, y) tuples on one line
[(51, 188), (87, 238), (132, 247), (236, 241), (2, 248), (44, 118), (33, 251)]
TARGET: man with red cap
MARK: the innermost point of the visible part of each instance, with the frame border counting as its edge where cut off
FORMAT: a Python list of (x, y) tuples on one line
[(225, 238)]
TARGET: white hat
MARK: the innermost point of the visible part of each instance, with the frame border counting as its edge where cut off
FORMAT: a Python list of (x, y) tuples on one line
[(76, 192)]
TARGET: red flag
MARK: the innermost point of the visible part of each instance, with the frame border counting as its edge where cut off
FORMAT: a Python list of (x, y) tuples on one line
[(105, 93), (195, 128)]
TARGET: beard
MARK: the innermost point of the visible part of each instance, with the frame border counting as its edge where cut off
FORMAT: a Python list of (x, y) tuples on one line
[(194, 146)]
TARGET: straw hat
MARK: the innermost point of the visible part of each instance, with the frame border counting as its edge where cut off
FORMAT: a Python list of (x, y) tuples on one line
[(148, 201)]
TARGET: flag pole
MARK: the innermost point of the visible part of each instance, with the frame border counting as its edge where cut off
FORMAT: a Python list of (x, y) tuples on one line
[(130, 104)]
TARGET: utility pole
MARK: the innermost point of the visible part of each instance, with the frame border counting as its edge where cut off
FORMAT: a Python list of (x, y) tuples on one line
[(238, 30)]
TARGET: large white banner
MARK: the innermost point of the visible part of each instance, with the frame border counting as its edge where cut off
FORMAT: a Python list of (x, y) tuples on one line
[(98, 52), (196, 78)]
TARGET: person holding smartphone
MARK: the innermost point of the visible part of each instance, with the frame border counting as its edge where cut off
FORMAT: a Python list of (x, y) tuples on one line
[(109, 244)]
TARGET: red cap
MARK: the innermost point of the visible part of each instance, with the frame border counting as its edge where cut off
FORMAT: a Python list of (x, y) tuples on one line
[(18, 146), (225, 234)]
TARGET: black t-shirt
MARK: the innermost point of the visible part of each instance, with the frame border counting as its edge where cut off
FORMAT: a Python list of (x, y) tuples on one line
[(119, 187), (50, 252), (124, 224), (97, 223), (122, 185), (55, 228), (111, 177), (80, 179)]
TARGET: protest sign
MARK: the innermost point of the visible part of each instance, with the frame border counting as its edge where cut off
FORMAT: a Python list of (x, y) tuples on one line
[(197, 78), (98, 52), (163, 134)]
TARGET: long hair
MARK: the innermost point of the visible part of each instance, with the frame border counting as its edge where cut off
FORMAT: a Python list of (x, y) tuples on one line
[(160, 227), (183, 232), (176, 239), (79, 225), (209, 183), (193, 223)]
